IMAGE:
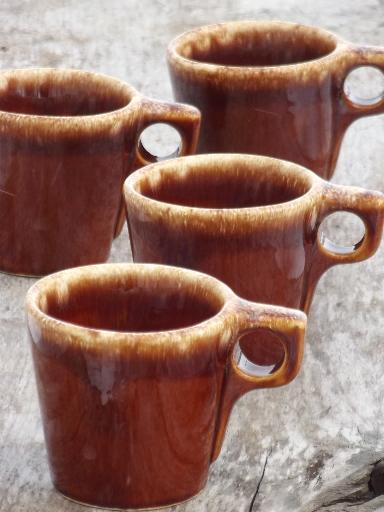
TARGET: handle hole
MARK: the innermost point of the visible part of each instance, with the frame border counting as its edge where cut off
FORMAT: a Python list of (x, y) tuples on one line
[(259, 353), (159, 141), (341, 232), (364, 86)]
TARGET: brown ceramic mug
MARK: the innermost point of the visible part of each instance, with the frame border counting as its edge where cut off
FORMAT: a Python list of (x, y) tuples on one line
[(68, 140), (271, 88), (251, 221), (136, 370)]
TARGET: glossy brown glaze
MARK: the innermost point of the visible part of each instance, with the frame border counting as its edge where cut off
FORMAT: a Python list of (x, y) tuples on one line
[(250, 221), (271, 88), (68, 140), (136, 375)]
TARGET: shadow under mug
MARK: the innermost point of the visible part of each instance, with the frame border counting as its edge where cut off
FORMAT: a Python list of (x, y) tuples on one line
[(250, 221), (272, 88), (68, 140), (136, 370)]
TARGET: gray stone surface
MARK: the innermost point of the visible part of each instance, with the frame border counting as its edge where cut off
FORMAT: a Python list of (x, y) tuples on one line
[(316, 431)]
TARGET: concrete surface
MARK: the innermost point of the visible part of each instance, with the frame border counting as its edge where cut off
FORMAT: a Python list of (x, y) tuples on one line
[(329, 422)]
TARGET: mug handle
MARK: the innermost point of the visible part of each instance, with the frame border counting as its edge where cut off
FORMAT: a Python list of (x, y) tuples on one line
[(184, 118), (372, 56), (289, 325), (369, 207)]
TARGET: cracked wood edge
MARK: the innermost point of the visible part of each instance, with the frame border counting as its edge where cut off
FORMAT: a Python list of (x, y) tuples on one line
[(260, 481), (361, 490)]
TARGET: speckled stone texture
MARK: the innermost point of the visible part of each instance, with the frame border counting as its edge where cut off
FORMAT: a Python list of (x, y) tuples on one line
[(322, 428)]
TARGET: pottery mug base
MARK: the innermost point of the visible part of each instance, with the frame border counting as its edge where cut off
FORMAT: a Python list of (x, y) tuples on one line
[(139, 508)]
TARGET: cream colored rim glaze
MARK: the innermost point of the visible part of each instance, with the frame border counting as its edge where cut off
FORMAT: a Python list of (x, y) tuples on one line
[(65, 333), (190, 215), (62, 124), (175, 56)]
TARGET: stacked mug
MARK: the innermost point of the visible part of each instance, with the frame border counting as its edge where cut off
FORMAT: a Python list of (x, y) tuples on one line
[(138, 365)]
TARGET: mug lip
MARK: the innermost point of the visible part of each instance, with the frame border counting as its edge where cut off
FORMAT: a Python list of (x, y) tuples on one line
[(203, 216), (175, 57), (59, 120), (66, 333)]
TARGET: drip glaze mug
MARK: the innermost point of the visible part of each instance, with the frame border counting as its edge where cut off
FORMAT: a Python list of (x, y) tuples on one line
[(250, 221), (271, 88), (68, 140), (136, 370)]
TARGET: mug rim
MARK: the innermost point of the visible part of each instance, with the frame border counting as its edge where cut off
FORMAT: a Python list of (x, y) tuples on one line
[(64, 333), (176, 58), (205, 215), (68, 121), (68, 73)]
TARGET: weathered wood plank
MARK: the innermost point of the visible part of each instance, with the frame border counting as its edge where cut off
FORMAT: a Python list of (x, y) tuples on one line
[(325, 426), (362, 489)]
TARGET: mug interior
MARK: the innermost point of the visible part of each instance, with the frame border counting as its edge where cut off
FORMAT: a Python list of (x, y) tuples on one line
[(223, 183), (248, 44), (49, 92), (131, 301)]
